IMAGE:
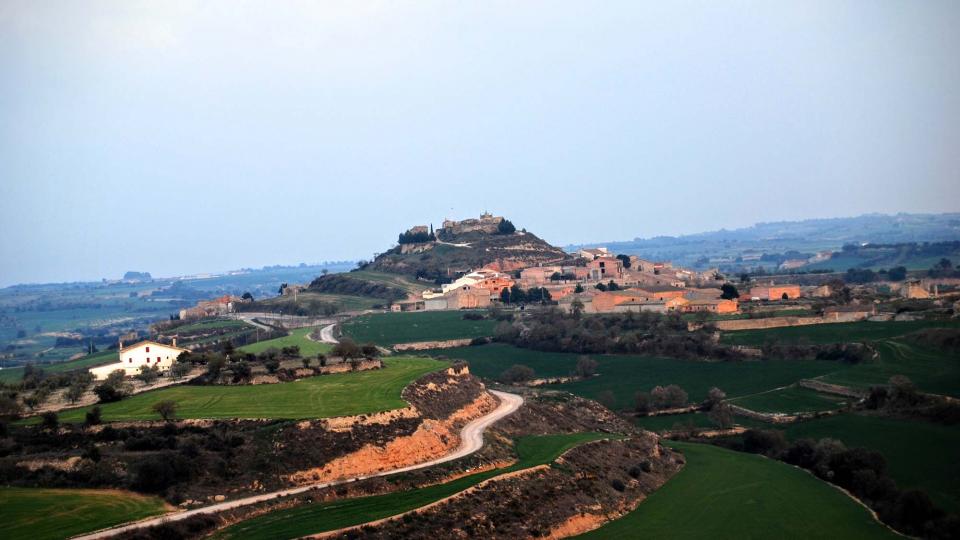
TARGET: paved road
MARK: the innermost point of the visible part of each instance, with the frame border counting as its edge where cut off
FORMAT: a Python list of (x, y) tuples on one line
[(471, 440)]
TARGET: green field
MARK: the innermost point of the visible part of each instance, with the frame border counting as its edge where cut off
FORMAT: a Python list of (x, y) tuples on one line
[(392, 280), (320, 517), (832, 332), (624, 375), (298, 337), (391, 328), (315, 397), (932, 371), (919, 454), (726, 494), (104, 357), (53, 514), (790, 400)]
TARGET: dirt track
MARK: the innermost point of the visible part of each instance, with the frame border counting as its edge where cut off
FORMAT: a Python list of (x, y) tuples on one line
[(471, 440)]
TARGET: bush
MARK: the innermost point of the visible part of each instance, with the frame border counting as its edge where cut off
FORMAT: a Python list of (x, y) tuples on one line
[(768, 442), (516, 374), (93, 417), (618, 485)]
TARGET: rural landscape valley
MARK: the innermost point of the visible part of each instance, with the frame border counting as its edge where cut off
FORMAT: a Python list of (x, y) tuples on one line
[(489, 270), (527, 392)]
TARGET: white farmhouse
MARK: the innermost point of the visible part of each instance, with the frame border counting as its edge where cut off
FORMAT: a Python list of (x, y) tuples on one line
[(145, 353)]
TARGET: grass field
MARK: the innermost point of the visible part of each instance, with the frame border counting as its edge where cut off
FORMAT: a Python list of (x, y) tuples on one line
[(726, 494), (315, 397), (320, 517), (104, 357), (833, 332), (393, 280), (790, 400), (53, 514), (919, 454), (298, 337), (932, 371), (391, 328), (624, 375), (668, 422)]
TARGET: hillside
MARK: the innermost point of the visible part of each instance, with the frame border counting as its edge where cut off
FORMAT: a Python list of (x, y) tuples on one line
[(807, 236), (460, 246)]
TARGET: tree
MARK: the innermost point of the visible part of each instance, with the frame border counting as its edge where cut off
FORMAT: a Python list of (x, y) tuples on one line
[(517, 373), (167, 409), (744, 278), (506, 227), (272, 365), (50, 420), (586, 367), (306, 362), (729, 292), (714, 396), (347, 349), (148, 374), (897, 273), (576, 307), (578, 289), (643, 403), (75, 392), (671, 396), (215, 365), (612, 286), (600, 287), (179, 370), (721, 414), (505, 295), (93, 416), (625, 259), (247, 296)]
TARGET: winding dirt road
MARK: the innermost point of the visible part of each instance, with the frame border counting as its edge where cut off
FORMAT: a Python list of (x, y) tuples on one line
[(471, 440)]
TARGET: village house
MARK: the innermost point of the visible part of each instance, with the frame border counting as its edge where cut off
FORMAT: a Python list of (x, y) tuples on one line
[(211, 308), (593, 253), (145, 353), (774, 292), (711, 305), (605, 268)]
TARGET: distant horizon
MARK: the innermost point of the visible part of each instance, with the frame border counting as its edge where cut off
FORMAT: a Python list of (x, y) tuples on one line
[(332, 261)]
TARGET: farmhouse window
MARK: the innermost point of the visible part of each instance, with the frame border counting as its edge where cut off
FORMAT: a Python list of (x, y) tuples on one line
[(129, 360), (148, 349)]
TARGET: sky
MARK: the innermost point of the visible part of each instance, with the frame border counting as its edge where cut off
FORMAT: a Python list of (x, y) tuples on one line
[(182, 137)]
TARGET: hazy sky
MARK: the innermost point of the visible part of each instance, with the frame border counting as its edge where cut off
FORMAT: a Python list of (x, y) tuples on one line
[(179, 137)]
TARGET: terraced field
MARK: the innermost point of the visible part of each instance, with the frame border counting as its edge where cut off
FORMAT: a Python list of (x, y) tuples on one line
[(932, 371), (391, 328), (314, 397), (298, 337), (320, 517), (53, 514), (726, 494), (624, 375), (791, 400), (833, 332)]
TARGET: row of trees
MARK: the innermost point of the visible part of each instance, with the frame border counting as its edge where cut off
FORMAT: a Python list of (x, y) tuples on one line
[(516, 295)]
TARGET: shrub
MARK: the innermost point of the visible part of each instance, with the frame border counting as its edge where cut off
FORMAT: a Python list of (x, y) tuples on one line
[(618, 485), (516, 374), (93, 416)]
